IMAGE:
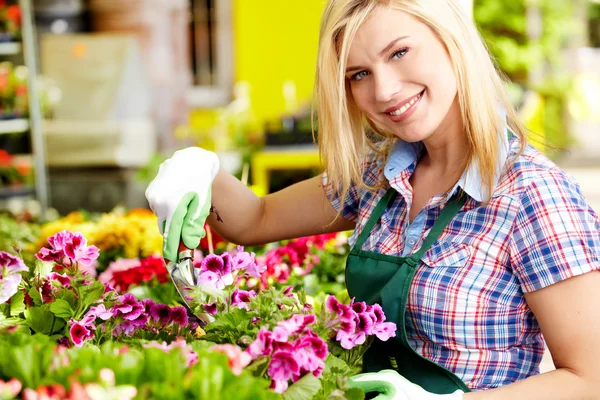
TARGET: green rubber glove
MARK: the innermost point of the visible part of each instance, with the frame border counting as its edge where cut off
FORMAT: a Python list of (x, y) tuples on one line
[(180, 196), (393, 386)]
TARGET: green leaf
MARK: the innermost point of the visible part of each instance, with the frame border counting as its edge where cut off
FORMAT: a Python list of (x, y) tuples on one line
[(90, 294), (35, 296), (17, 304), (62, 309), (355, 394), (68, 296), (42, 320), (304, 389)]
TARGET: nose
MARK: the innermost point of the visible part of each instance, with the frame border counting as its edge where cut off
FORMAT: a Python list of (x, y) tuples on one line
[(387, 85)]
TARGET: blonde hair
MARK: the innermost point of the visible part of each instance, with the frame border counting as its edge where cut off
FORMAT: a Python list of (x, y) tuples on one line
[(343, 131)]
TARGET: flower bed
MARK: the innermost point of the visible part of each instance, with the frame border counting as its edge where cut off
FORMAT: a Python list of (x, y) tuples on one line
[(66, 334)]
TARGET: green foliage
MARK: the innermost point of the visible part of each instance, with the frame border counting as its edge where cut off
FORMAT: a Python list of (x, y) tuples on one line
[(156, 373), (504, 26)]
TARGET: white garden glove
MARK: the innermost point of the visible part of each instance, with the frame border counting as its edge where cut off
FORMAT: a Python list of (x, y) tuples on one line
[(394, 386), (180, 196)]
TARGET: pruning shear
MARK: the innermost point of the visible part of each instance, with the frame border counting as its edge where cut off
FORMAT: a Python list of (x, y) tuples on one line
[(185, 277)]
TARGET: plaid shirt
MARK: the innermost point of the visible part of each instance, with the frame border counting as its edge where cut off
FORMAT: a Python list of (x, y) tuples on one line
[(466, 309)]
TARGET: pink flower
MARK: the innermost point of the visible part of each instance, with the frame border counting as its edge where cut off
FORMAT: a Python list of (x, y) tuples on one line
[(154, 344), (262, 346), (385, 330), (190, 355), (78, 250), (279, 386), (10, 264), (238, 359), (10, 389), (246, 262), (57, 243), (121, 264), (297, 322), (80, 333), (280, 334), (216, 271), (63, 279), (241, 298), (99, 311), (9, 285), (283, 366), (70, 245)]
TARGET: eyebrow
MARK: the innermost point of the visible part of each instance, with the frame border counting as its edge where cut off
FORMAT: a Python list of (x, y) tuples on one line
[(381, 53)]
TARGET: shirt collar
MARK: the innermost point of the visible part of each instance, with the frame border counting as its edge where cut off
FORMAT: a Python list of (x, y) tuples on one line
[(404, 154)]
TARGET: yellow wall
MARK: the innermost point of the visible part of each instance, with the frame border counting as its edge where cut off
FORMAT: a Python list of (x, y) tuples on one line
[(274, 41)]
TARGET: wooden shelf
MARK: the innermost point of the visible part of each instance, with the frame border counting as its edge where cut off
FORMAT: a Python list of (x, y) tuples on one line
[(10, 48), (7, 192), (14, 126)]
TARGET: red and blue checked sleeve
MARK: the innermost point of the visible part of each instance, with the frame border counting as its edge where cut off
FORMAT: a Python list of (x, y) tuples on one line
[(556, 234), (349, 206)]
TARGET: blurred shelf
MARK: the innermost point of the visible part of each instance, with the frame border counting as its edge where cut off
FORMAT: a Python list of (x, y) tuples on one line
[(14, 126), (10, 48), (7, 192)]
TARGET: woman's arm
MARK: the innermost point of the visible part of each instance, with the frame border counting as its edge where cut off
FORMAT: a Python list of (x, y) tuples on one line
[(570, 321), (242, 217)]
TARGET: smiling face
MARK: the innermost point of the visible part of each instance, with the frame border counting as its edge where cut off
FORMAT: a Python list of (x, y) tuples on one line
[(401, 77)]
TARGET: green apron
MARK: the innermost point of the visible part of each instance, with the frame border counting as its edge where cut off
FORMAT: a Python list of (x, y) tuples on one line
[(378, 278)]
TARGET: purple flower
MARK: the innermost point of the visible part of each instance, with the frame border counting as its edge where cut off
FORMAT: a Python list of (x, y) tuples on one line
[(161, 313), (9, 285), (366, 322), (255, 320), (359, 307), (241, 298), (80, 333), (179, 316), (262, 346), (283, 366), (10, 264), (148, 305), (216, 271), (126, 327), (378, 312), (129, 307), (211, 308)]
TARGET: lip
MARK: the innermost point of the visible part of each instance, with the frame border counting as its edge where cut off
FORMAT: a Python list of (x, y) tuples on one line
[(407, 113)]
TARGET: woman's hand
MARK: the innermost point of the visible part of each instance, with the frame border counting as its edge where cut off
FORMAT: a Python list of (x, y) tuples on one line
[(180, 196)]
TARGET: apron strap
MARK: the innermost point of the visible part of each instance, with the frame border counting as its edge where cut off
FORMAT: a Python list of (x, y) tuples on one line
[(448, 213), (389, 197)]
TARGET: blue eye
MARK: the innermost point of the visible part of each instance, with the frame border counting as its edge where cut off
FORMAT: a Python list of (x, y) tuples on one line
[(359, 75), (400, 53)]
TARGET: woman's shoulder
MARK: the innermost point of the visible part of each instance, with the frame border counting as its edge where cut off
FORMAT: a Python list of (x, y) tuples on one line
[(531, 171)]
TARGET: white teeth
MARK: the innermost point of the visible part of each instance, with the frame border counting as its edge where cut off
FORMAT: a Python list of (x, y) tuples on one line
[(405, 107)]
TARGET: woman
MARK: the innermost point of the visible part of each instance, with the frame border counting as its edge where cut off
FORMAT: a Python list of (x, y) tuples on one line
[(474, 242)]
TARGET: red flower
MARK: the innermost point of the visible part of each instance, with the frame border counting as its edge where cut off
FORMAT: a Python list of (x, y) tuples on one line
[(149, 268), (13, 13)]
